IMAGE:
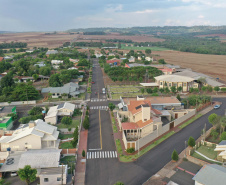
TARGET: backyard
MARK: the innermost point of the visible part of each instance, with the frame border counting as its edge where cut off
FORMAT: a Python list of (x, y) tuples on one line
[(75, 123), (66, 145), (70, 161)]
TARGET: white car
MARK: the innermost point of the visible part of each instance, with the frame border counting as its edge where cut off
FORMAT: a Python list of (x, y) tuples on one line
[(13, 174), (217, 106)]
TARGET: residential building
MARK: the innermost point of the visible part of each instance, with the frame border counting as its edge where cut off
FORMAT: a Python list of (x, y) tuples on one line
[(46, 161), (177, 81), (64, 109), (141, 120), (210, 174), (40, 64), (5, 110), (6, 122), (56, 62), (73, 60), (35, 135), (8, 57), (70, 90), (221, 151), (98, 55), (114, 61), (131, 59), (149, 59), (49, 52), (30, 78), (201, 78), (167, 71), (29, 51)]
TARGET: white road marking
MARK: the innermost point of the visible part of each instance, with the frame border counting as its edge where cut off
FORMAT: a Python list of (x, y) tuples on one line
[(110, 154), (116, 154), (97, 155), (87, 155), (113, 154)]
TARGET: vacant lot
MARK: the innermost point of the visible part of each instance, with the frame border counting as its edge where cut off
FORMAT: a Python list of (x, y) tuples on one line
[(213, 65), (37, 39)]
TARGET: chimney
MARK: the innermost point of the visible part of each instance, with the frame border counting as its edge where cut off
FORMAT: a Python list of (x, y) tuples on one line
[(31, 124)]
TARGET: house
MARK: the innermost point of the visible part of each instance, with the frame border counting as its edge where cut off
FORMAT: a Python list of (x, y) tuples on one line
[(29, 51), (206, 80), (210, 174), (8, 57), (114, 61), (56, 62), (98, 55), (167, 71), (131, 59), (149, 59), (49, 52), (176, 80), (74, 60), (40, 64), (35, 135), (45, 161), (70, 89), (141, 120), (64, 109), (30, 78), (221, 151)]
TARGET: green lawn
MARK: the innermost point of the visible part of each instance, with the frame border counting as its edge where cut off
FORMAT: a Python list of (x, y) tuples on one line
[(74, 124), (203, 159), (70, 161), (117, 96), (124, 89), (190, 121), (65, 136), (208, 152), (143, 48), (115, 130), (66, 145), (82, 96), (130, 158)]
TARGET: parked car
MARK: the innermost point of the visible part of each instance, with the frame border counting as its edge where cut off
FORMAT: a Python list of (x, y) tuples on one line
[(217, 106), (93, 82), (13, 174)]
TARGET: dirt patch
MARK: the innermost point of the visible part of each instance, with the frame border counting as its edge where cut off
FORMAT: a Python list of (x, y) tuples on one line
[(212, 65)]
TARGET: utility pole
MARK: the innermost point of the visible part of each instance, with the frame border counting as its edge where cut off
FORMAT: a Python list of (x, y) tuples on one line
[(138, 142)]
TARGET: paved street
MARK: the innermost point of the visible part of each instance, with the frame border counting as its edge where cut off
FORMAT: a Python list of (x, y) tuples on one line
[(100, 138)]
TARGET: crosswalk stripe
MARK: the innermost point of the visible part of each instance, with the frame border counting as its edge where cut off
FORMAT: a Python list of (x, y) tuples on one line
[(97, 155), (100, 154), (87, 155), (106, 154), (103, 154), (110, 154), (90, 155), (93, 155), (113, 154), (116, 154)]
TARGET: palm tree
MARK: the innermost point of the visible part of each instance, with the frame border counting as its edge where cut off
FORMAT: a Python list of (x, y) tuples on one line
[(223, 122)]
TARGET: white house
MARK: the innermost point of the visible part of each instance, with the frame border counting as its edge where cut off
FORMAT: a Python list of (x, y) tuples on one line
[(64, 109), (131, 59), (56, 62)]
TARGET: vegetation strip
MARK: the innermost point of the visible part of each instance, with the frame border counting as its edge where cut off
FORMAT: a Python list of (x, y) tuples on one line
[(190, 121)]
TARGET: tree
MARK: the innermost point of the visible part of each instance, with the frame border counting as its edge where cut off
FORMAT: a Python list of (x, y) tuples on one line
[(166, 90), (214, 133), (223, 122), (173, 89), (83, 153), (74, 142), (161, 90), (149, 90), (148, 51), (7, 81), (213, 119), (191, 141), (209, 88), (216, 88), (27, 174), (140, 79), (111, 106), (178, 97), (142, 90), (119, 183), (35, 111), (174, 155), (161, 61), (66, 120), (204, 88), (86, 122), (35, 76), (223, 136), (54, 81), (179, 88)]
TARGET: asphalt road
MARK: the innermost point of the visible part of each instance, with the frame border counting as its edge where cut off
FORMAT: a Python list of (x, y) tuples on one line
[(109, 171)]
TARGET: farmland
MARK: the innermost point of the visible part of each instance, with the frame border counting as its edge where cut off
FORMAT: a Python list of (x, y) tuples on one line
[(143, 48), (213, 65)]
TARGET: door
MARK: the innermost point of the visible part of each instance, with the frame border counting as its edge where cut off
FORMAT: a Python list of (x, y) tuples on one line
[(176, 116), (172, 125)]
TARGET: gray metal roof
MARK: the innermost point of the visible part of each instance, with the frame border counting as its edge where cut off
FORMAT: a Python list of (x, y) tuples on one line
[(211, 174), (51, 52), (222, 142)]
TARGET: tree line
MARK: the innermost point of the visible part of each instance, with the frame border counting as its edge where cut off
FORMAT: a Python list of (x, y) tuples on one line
[(13, 45)]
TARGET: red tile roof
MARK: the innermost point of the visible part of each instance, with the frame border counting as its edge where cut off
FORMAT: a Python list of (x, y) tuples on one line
[(157, 112), (142, 124), (1, 59), (129, 126), (166, 70), (113, 61), (134, 108)]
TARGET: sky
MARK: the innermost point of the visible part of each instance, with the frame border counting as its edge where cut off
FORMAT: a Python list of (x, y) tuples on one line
[(61, 15)]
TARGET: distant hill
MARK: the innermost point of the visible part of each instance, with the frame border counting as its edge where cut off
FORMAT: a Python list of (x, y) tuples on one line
[(6, 32), (157, 30)]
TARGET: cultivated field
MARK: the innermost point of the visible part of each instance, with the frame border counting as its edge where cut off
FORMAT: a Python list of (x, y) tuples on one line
[(213, 65), (37, 39)]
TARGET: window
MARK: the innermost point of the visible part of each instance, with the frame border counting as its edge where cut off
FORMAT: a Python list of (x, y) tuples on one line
[(58, 178), (145, 119), (185, 84), (46, 179), (160, 83), (170, 84)]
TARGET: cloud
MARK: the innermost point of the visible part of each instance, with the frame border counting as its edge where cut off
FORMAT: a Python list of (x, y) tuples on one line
[(146, 11), (200, 16)]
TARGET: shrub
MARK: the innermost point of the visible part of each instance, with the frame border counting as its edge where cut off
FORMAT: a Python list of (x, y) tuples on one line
[(66, 120), (223, 136), (174, 155), (111, 106), (214, 133), (191, 141), (130, 150), (83, 153), (86, 123), (154, 94)]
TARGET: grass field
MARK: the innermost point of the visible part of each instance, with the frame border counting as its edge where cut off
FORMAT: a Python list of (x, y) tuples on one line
[(208, 152), (117, 96), (66, 145), (143, 48), (65, 136), (123, 89), (74, 124)]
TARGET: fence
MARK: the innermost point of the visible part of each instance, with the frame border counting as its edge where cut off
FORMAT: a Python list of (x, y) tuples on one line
[(184, 118), (203, 106), (69, 151), (18, 103)]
